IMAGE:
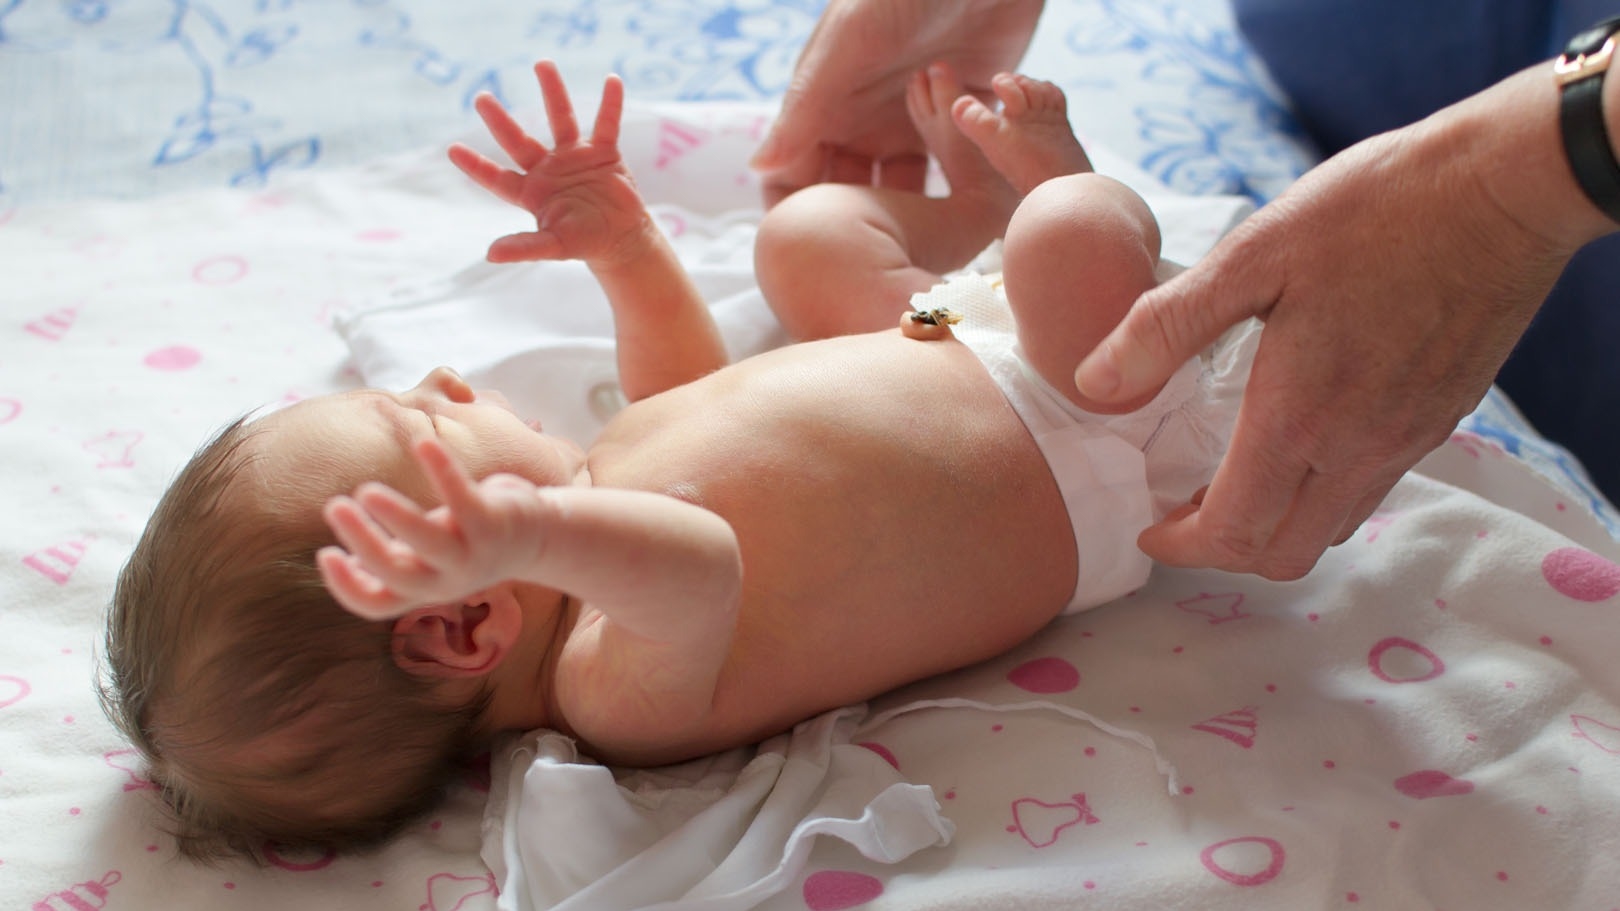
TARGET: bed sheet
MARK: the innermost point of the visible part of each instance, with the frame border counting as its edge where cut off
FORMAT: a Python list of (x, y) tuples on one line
[(191, 193)]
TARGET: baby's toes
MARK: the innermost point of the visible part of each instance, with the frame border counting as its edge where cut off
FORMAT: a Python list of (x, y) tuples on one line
[(1010, 92), (943, 86), (919, 99), (1043, 96), (1022, 95), (975, 119)]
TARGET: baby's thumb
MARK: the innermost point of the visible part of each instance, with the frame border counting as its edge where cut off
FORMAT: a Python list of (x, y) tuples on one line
[(1163, 329)]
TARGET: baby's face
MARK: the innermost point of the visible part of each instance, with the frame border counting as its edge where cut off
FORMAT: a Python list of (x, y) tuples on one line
[(329, 445)]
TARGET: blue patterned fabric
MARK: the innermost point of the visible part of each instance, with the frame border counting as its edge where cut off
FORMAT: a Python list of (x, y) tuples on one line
[(131, 97)]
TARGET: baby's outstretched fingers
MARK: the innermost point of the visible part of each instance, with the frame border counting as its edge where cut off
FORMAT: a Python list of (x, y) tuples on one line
[(525, 151), (358, 533), (559, 108), (506, 185), (422, 539), (455, 487), (605, 132), (360, 593)]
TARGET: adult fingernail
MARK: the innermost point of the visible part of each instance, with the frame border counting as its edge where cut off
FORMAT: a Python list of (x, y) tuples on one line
[(1097, 377), (765, 155)]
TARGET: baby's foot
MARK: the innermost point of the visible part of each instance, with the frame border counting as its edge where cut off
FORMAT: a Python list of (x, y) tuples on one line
[(1029, 140), (975, 181)]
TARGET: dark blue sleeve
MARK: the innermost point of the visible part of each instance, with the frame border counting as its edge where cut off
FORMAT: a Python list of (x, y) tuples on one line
[(1354, 68)]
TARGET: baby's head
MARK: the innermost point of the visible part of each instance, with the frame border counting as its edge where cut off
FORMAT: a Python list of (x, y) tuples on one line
[(268, 713)]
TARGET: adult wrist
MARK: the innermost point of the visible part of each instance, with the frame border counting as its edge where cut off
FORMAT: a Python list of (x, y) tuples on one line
[(1587, 113)]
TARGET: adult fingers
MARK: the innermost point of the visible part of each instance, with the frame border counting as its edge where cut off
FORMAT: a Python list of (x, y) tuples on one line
[(1274, 517), (1176, 320), (801, 172), (1234, 523), (1364, 510)]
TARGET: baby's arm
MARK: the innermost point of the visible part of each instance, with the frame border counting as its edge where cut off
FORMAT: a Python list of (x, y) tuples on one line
[(664, 574), (586, 207)]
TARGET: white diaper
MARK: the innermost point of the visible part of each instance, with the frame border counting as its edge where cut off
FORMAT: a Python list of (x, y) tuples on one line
[(1118, 473)]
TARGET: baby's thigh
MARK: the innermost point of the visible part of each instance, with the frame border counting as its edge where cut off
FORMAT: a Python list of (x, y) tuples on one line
[(831, 259)]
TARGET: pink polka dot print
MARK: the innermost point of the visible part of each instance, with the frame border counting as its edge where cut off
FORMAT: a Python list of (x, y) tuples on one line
[(835, 890), (1045, 675), (1580, 574), (1427, 783), (174, 357)]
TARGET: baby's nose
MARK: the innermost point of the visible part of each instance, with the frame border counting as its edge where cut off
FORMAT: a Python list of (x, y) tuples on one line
[(447, 383)]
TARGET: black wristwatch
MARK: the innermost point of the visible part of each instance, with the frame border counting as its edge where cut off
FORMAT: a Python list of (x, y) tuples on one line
[(1580, 73)]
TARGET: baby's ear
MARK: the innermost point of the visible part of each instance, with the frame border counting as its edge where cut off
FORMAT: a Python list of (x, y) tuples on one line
[(462, 639)]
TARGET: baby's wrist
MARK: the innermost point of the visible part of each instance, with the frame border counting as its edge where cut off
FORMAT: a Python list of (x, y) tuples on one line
[(631, 251)]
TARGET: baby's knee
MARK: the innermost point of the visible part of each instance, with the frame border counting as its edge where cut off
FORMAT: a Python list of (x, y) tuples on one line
[(1079, 251), (805, 230), (1082, 217), (830, 260)]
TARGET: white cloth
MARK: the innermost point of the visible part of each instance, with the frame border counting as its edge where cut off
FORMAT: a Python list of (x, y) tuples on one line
[(719, 833), (1118, 473)]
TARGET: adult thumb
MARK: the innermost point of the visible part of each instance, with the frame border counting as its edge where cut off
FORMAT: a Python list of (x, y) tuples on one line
[(1163, 329)]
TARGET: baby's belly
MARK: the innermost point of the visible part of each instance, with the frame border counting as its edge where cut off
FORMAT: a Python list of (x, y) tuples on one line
[(895, 517)]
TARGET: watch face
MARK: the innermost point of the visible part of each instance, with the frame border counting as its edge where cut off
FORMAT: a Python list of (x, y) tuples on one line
[(1592, 39)]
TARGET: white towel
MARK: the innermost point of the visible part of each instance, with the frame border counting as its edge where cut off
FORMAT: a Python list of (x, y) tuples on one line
[(720, 833)]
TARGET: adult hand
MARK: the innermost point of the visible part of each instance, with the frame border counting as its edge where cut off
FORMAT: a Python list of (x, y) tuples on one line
[(1394, 280), (843, 117)]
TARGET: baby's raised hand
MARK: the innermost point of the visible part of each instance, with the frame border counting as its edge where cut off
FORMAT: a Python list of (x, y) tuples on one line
[(580, 192), (396, 556)]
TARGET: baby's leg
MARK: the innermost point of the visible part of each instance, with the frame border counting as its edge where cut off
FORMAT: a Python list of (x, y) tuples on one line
[(1079, 250), (1029, 140), (835, 259)]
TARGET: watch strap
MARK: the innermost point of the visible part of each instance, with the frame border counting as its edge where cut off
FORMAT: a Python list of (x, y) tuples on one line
[(1580, 73)]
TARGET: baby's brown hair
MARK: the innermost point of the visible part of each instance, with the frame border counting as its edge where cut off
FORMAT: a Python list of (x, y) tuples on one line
[(266, 712)]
